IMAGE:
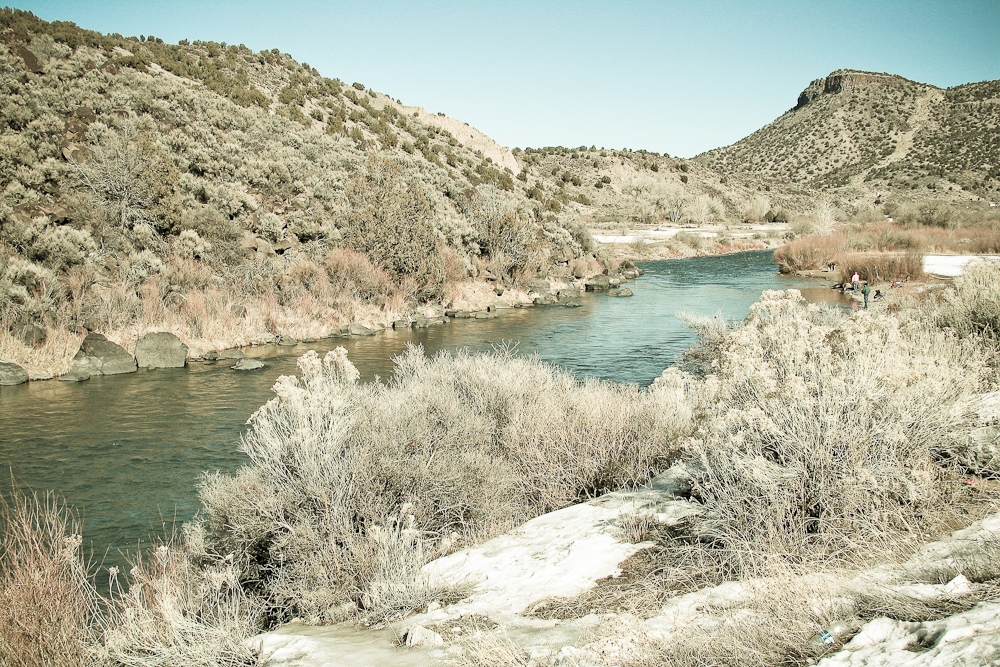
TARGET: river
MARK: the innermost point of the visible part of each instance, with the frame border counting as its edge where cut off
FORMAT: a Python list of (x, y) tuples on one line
[(127, 451)]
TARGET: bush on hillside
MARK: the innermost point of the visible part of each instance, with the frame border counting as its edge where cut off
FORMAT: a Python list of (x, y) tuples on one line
[(390, 221)]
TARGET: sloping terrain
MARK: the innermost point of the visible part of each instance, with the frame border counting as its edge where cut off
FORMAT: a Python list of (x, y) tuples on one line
[(858, 133)]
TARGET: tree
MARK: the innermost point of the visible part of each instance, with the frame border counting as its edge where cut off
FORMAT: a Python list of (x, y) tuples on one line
[(390, 221)]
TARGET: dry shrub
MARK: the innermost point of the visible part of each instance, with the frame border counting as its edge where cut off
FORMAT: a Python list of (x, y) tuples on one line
[(812, 252), (880, 267), (826, 431), (492, 648), (47, 601), (354, 276), (51, 358), (178, 613), (463, 444)]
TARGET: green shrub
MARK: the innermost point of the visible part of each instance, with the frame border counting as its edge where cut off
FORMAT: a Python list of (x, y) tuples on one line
[(390, 221)]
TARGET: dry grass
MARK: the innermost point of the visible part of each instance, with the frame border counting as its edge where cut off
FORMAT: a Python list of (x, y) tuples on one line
[(49, 359), (47, 600), (171, 612)]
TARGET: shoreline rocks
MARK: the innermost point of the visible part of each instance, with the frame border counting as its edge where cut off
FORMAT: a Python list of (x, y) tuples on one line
[(12, 374), (160, 350), (99, 356)]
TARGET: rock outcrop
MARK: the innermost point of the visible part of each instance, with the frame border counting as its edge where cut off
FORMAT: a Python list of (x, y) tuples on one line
[(99, 356), (11, 374), (160, 350)]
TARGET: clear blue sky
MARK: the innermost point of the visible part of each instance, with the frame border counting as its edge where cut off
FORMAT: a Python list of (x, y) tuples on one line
[(675, 77)]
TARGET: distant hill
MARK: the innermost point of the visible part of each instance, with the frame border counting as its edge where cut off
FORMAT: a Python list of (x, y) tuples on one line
[(856, 134)]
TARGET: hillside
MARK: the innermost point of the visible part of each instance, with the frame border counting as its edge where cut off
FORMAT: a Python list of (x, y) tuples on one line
[(861, 134)]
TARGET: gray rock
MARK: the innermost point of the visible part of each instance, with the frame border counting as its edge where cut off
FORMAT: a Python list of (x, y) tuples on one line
[(499, 305), (359, 330), (620, 292), (546, 300), (211, 355), (483, 315), (437, 310), (418, 635), (160, 350), (401, 324), (598, 284), (234, 353), (572, 304), (287, 341), (75, 376), (570, 291), (248, 364), (29, 334), (614, 282), (11, 374), (308, 340), (677, 481), (461, 315), (99, 356)]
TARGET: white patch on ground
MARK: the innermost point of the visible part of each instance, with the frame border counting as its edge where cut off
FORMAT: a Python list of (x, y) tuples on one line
[(969, 638), (952, 265)]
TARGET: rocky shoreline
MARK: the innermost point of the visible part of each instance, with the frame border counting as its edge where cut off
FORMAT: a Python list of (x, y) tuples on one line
[(97, 355)]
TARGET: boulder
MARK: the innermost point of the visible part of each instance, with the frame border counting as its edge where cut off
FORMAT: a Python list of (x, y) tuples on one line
[(545, 300), (287, 341), (461, 315), (75, 376), (356, 329), (234, 353), (11, 374), (620, 292), (29, 334), (99, 356), (598, 284), (483, 315), (571, 291), (160, 350), (418, 635), (248, 364)]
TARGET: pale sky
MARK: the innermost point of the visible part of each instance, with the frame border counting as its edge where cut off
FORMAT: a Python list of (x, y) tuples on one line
[(675, 77)]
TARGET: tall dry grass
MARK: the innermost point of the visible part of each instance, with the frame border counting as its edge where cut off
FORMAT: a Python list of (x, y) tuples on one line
[(452, 450), (48, 604), (172, 611)]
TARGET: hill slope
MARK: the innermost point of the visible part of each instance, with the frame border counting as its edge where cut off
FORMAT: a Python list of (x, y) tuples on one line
[(858, 133)]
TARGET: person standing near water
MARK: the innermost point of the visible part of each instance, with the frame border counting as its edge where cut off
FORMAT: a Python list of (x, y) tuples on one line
[(855, 279), (866, 290)]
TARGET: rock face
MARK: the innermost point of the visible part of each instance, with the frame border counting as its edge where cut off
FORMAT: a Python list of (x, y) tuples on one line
[(29, 334), (160, 350), (841, 81), (248, 364), (11, 374), (599, 284), (99, 356)]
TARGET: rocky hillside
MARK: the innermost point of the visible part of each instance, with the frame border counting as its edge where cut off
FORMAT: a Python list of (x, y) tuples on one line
[(859, 134)]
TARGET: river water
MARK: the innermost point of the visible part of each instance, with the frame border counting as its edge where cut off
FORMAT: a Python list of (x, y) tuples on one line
[(127, 451)]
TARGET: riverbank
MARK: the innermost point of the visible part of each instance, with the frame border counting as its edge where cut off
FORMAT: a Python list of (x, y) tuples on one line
[(211, 322)]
